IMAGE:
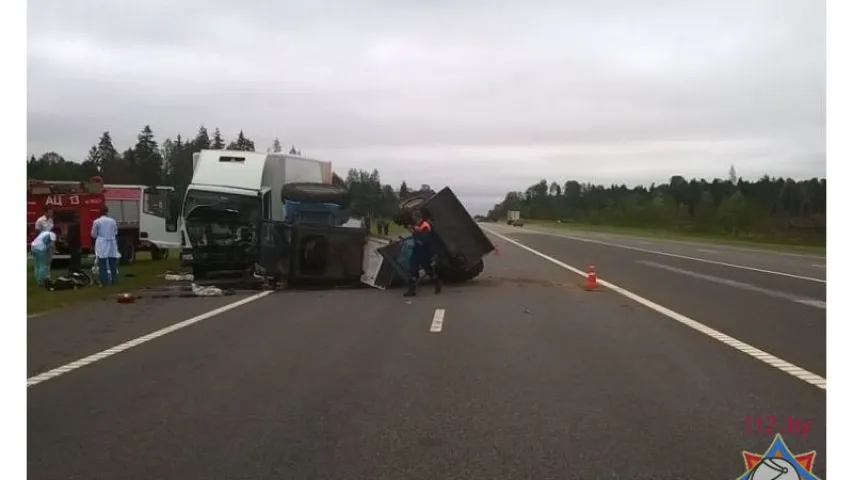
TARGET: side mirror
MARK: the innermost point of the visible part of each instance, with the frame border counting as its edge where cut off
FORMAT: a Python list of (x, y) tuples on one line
[(173, 211)]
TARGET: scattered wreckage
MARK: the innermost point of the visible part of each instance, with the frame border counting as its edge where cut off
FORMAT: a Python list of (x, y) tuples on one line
[(318, 243)]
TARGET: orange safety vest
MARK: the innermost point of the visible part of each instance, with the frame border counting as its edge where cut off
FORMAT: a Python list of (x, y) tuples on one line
[(423, 227)]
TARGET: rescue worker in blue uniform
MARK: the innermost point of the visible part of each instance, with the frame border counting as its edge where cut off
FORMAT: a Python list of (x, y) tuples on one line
[(422, 254)]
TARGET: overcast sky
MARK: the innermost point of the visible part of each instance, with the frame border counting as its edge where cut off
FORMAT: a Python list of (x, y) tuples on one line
[(485, 96)]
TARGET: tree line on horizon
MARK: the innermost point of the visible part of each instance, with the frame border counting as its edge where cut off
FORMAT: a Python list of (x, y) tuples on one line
[(773, 209), (769, 209), (170, 163)]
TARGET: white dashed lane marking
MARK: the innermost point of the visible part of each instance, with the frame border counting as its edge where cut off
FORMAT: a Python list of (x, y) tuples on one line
[(741, 285), (683, 257), (437, 321)]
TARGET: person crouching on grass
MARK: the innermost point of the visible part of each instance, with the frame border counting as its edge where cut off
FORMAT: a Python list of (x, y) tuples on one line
[(104, 231), (41, 249)]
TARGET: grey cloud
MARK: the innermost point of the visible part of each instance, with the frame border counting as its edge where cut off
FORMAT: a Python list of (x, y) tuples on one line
[(742, 82)]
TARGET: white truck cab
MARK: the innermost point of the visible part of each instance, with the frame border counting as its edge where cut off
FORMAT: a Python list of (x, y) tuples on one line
[(246, 182)]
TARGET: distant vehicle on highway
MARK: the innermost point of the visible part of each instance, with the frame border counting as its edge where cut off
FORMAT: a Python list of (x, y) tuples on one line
[(513, 217)]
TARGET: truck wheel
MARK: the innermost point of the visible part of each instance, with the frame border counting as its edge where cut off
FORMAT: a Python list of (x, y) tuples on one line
[(308, 192), (199, 273), (408, 205), (159, 253), (127, 249)]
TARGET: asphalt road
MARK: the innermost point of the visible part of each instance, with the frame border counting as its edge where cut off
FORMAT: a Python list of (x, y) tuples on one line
[(790, 263), (526, 375)]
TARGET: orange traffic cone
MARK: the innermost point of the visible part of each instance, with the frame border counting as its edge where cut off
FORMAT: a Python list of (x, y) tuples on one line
[(591, 279)]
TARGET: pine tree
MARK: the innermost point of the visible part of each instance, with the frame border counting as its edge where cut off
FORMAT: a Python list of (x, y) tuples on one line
[(110, 163), (202, 139), (148, 161), (276, 145), (242, 143), (93, 161), (218, 142)]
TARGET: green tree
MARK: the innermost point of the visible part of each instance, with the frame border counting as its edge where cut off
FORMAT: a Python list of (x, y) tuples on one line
[(218, 142), (242, 143), (202, 139), (147, 158), (112, 165)]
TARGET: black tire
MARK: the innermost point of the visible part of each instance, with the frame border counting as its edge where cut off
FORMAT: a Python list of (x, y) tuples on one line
[(59, 263), (159, 253), (81, 279), (199, 273), (127, 249), (316, 193), (408, 205)]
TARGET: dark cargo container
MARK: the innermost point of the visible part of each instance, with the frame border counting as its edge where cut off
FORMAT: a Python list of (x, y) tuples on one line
[(461, 243), (461, 239)]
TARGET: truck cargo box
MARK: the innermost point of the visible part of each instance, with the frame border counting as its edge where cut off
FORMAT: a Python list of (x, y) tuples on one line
[(459, 237), (460, 243)]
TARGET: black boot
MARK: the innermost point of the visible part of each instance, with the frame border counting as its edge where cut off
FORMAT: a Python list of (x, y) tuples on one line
[(413, 289)]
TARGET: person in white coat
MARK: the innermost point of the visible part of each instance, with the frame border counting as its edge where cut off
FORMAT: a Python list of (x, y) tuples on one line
[(40, 249), (45, 224), (104, 231)]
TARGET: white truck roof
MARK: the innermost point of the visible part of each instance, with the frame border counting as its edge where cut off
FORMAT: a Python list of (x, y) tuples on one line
[(255, 170)]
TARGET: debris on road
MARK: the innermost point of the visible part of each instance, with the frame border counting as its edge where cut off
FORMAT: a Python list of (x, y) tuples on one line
[(209, 291), (125, 298), (178, 277)]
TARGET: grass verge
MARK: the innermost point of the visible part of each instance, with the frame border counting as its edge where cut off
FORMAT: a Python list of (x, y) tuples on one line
[(143, 273), (394, 231), (758, 242)]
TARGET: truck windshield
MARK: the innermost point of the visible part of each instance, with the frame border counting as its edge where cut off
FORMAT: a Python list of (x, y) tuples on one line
[(248, 205)]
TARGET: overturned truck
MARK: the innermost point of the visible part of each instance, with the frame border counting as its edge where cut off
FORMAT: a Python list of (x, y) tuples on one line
[(318, 243), (460, 243)]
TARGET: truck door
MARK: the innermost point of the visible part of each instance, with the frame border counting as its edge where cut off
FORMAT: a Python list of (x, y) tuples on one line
[(274, 248), (266, 212), (382, 268)]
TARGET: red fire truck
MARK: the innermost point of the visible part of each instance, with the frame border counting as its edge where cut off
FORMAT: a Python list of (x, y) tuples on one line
[(138, 211), (71, 202)]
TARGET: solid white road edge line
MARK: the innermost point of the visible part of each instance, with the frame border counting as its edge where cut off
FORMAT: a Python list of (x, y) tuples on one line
[(43, 377), (743, 347), (437, 321), (683, 257)]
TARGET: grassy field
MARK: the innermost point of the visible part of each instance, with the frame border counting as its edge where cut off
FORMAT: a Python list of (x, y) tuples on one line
[(143, 273), (758, 242), (394, 230)]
